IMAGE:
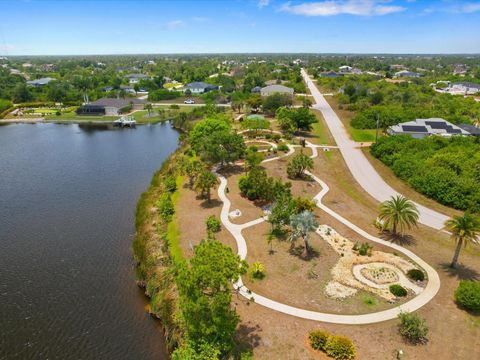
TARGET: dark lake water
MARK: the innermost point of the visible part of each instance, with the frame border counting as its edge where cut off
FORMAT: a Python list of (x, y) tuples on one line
[(67, 200)]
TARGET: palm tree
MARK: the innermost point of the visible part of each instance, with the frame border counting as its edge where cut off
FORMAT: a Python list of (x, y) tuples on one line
[(205, 182), (464, 229), (302, 225), (398, 213), (149, 108)]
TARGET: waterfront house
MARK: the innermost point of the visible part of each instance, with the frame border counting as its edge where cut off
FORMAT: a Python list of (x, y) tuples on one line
[(111, 106)]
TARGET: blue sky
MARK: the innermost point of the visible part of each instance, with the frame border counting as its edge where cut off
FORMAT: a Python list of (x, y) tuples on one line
[(36, 27)]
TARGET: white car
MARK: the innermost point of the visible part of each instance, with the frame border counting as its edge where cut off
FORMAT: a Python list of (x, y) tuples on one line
[(189, 101)]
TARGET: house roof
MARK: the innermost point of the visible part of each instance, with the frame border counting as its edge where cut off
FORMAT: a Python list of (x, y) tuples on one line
[(277, 89), (42, 81), (432, 126), (467, 84), (471, 129), (200, 85), (137, 76), (116, 103)]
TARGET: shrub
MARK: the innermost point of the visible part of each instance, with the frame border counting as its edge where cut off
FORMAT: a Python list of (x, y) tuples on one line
[(165, 206), (258, 270), (412, 327), (318, 339), (365, 249), (467, 295), (416, 275), (170, 184), (282, 147), (340, 347), (298, 165), (398, 290), (213, 224)]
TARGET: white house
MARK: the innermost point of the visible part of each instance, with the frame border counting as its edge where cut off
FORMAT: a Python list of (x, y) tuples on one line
[(199, 87), (135, 78), (421, 128)]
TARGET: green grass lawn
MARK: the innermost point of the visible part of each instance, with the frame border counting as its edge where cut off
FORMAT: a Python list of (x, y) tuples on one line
[(362, 135), (320, 130), (173, 232), (45, 111)]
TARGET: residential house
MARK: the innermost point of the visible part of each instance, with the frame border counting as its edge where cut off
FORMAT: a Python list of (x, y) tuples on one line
[(111, 106), (406, 73), (40, 82), (330, 74), (135, 78), (200, 87), (473, 130), (421, 128), (460, 69), (276, 89), (464, 88)]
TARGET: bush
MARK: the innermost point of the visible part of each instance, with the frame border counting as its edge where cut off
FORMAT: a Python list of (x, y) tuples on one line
[(318, 339), (412, 327), (163, 94), (364, 249), (416, 275), (282, 147), (258, 270), (213, 224), (398, 290), (467, 295), (340, 347), (170, 183), (165, 206)]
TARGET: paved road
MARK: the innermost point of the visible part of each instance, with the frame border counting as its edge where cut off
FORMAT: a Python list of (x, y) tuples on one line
[(361, 169), (423, 298)]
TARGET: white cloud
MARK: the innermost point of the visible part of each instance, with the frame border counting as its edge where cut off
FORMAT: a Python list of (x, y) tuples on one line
[(458, 8), (338, 7), (469, 8), (174, 24), (263, 3)]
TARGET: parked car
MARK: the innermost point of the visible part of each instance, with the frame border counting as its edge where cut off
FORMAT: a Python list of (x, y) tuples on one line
[(189, 101)]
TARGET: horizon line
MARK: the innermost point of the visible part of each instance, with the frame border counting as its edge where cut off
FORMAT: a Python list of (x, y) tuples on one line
[(253, 53)]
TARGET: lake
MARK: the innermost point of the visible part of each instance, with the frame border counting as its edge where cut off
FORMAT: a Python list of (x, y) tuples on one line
[(67, 200)]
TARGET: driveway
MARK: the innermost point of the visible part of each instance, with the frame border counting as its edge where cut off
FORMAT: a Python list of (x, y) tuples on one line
[(361, 169)]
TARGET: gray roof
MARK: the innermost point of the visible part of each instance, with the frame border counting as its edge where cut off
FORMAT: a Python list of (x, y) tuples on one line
[(277, 89), (471, 129), (468, 84), (137, 76), (42, 81), (116, 103), (432, 126), (200, 85)]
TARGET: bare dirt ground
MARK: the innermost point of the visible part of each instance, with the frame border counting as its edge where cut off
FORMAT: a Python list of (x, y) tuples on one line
[(454, 333)]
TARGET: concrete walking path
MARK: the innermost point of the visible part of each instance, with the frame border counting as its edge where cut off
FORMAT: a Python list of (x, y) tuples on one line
[(361, 169), (423, 298)]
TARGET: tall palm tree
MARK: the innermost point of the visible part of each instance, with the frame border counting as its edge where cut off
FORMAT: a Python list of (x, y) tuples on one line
[(398, 213), (464, 228), (302, 225)]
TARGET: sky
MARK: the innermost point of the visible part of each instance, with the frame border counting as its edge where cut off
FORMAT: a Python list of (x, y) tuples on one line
[(45, 27)]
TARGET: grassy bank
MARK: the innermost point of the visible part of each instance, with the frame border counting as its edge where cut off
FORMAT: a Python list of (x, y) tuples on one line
[(155, 253)]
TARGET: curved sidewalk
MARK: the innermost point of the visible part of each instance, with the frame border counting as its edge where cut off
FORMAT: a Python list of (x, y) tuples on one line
[(429, 292), (361, 169)]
